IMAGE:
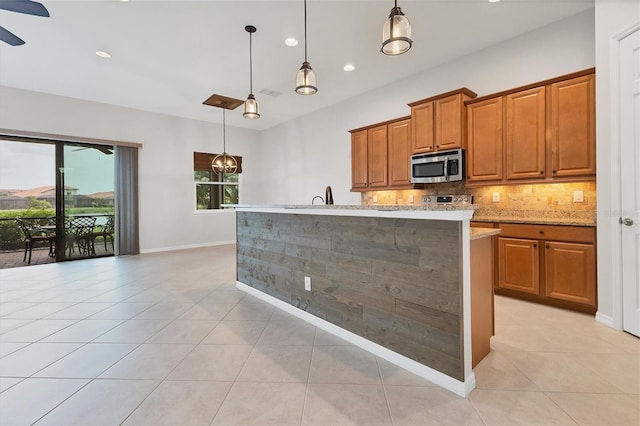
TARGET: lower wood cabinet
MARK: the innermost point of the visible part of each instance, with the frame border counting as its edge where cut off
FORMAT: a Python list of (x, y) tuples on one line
[(519, 265), (570, 272), (555, 265)]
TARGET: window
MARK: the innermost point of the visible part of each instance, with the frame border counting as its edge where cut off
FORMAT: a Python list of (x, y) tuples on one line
[(213, 190)]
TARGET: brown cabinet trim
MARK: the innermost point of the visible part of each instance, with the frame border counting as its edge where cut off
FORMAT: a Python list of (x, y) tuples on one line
[(383, 123), (532, 85), (462, 90)]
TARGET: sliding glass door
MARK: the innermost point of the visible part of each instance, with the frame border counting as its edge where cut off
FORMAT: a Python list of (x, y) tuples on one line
[(86, 185)]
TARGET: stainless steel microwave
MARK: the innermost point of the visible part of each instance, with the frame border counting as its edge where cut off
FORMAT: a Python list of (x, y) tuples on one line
[(445, 166)]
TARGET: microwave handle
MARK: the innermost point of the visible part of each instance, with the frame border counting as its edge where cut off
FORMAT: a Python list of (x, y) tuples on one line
[(446, 168)]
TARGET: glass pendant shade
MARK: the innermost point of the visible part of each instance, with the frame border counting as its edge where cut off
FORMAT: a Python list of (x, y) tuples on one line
[(251, 105), (224, 163), (396, 33), (306, 80), (251, 108)]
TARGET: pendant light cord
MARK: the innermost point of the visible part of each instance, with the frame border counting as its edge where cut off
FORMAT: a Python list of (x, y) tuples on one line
[(250, 67), (224, 133), (305, 30)]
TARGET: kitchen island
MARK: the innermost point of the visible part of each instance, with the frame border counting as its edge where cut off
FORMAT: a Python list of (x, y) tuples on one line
[(394, 280)]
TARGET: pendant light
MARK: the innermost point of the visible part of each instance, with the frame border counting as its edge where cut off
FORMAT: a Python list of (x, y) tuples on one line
[(250, 105), (224, 163), (306, 78), (396, 33)]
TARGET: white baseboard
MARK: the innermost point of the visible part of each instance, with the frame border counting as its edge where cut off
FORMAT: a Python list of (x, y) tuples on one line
[(604, 319), (462, 389), (186, 247)]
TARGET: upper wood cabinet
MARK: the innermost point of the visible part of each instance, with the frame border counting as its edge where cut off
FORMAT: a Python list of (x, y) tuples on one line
[(380, 156), (573, 138), (548, 132), (398, 138), (484, 148), (359, 160), (377, 156), (422, 135), (525, 134), (438, 123)]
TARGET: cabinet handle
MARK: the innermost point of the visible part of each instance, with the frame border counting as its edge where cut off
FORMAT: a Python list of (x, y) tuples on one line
[(535, 245), (541, 232), (555, 171), (541, 172), (547, 246)]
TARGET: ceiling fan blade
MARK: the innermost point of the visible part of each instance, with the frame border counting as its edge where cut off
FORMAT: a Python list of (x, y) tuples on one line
[(10, 38), (25, 6)]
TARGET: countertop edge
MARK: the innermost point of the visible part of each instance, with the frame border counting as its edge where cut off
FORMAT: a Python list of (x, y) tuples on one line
[(534, 221), (452, 214), (477, 233)]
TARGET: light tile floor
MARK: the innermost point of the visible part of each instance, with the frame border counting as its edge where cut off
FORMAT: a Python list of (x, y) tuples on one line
[(166, 339)]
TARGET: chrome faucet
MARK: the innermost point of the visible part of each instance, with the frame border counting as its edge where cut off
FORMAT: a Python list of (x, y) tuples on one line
[(328, 195), (314, 198)]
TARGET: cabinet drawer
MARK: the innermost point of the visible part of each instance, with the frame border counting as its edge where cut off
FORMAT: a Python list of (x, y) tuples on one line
[(578, 234)]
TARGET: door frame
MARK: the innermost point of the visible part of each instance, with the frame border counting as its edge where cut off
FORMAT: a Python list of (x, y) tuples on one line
[(615, 257)]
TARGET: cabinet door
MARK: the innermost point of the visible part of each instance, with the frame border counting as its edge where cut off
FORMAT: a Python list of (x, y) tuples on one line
[(484, 143), (519, 265), (448, 123), (422, 137), (525, 134), (359, 165), (573, 139), (377, 153), (399, 153), (570, 271)]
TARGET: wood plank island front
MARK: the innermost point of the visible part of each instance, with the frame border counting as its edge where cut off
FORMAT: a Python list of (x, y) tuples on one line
[(394, 280)]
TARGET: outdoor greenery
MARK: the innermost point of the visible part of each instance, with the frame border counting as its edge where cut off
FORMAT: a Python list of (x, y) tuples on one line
[(213, 190), (11, 237)]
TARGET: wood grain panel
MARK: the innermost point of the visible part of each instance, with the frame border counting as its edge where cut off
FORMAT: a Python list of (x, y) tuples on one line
[(379, 278)]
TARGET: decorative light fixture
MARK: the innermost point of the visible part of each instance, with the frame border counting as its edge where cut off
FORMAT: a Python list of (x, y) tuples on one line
[(306, 78), (223, 163), (250, 105), (396, 33)]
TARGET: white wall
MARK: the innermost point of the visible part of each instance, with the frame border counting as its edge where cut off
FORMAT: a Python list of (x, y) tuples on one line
[(612, 17), (314, 151), (167, 192)]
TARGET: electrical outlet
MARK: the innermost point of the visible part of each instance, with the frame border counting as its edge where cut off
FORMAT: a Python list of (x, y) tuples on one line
[(375, 198), (496, 197), (578, 196), (410, 198), (307, 283)]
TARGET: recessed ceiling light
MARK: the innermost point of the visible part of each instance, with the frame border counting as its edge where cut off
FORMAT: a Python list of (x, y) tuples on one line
[(349, 67), (103, 54), (291, 42), (494, 1)]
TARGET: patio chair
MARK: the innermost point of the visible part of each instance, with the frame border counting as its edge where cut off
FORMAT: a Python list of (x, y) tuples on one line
[(32, 236), (80, 234), (106, 232)]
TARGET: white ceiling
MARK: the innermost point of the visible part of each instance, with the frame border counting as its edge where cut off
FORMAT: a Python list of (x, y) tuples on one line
[(169, 56)]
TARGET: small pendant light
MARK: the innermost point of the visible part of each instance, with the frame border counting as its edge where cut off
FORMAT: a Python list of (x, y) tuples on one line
[(250, 105), (396, 33), (306, 78), (224, 163)]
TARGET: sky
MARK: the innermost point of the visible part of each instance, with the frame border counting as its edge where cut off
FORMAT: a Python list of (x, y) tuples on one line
[(30, 165)]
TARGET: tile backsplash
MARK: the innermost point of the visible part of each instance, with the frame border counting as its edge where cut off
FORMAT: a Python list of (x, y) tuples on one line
[(541, 197)]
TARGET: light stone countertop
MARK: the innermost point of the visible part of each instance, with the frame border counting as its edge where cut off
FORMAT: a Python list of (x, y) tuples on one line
[(539, 220), (477, 233), (438, 212), (380, 207)]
